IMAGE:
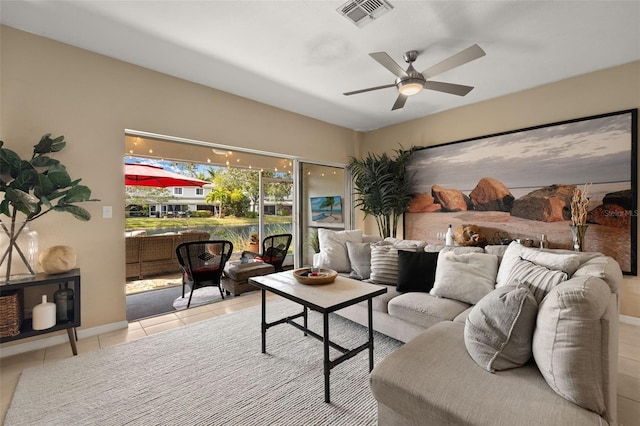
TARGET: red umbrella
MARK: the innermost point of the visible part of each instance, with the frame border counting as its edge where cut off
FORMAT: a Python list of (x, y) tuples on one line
[(148, 175)]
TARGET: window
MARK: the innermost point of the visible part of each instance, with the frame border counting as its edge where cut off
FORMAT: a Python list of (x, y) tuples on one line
[(177, 191), (199, 191)]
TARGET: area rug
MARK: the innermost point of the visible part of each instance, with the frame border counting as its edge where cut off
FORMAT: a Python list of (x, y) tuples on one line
[(152, 303), (201, 296), (207, 373)]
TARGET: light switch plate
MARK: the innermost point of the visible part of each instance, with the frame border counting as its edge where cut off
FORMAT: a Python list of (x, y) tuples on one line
[(107, 212)]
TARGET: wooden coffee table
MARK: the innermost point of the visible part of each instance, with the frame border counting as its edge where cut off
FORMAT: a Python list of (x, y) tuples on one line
[(324, 298)]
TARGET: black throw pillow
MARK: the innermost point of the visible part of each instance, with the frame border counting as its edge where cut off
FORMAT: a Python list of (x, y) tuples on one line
[(416, 270)]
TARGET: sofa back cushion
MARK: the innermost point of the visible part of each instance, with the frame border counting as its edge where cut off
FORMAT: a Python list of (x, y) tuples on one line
[(570, 341), (465, 277)]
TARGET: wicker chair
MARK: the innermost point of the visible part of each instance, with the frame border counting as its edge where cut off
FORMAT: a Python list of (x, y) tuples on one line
[(274, 250), (202, 263)]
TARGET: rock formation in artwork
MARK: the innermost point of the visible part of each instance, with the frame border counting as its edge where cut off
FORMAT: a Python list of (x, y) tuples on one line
[(451, 200), (491, 195), (616, 210), (547, 204), (423, 203)]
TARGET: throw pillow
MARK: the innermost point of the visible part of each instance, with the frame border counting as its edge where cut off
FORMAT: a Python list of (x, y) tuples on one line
[(499, 330), (560, 261), (539, 279), (360, 260), (569, 340), (333, 248), (465, 277), (384, 264), (416, 270)]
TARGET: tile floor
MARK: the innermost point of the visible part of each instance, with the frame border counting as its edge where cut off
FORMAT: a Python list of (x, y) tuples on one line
[(10, 367)]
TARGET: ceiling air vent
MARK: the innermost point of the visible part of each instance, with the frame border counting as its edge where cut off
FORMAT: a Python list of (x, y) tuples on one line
[(361, 12)]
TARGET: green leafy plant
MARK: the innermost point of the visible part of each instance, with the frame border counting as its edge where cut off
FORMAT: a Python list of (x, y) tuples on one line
[(35, 188), (383, 187)]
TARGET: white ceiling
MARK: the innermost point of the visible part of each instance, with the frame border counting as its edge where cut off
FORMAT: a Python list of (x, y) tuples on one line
[(302, 55)]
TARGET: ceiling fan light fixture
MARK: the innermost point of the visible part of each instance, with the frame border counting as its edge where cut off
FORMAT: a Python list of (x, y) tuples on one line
[(410, 86)]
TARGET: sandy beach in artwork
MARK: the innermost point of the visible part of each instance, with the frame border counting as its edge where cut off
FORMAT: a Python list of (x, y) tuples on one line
[(611, 241)]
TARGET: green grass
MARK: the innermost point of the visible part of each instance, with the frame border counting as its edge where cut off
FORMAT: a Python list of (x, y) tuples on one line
[(134, 223)]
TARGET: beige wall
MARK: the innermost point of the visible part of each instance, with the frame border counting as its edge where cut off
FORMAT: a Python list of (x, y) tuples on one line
[(49, 87), (610, 90)]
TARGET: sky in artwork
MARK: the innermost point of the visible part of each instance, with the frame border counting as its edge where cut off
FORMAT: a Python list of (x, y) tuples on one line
[(595, 151)]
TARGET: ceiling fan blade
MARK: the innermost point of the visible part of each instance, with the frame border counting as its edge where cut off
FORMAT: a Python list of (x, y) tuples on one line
[(385, 60), (454, 89), (399, 102), (467, 55), (355, 92)]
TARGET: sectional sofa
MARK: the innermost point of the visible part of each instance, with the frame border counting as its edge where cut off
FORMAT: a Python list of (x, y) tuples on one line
[(500, 335)]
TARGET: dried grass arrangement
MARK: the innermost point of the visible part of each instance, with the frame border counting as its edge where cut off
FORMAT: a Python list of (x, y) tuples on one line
[(580, 205)]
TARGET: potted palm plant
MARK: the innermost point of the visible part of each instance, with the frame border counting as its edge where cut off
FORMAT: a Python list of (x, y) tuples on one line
[(32, 189), (383, 187)]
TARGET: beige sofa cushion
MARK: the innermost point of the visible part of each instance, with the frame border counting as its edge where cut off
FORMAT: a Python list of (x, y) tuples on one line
[(465, 277), (424, 309), (431, 380), (570, 339), (499, 329)]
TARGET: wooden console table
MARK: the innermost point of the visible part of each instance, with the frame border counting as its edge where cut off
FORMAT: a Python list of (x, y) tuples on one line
[(72, 280)]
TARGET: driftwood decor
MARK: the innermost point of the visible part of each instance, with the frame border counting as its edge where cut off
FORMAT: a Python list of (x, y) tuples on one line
[(521, 183)]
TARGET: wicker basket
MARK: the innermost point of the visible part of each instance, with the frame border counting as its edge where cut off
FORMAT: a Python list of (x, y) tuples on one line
[(10, 313)]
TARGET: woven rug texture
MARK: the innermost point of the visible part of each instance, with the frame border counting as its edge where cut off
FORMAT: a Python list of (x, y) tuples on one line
[(207, 373)]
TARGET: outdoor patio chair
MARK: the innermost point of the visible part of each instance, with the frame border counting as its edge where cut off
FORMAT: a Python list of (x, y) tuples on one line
[(274, 250), (202, 263)]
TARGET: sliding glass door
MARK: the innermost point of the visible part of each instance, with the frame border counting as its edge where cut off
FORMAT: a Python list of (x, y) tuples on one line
[(324, 201)]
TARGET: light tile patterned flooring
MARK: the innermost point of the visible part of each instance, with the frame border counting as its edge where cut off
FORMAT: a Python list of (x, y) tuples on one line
[(10, 367)]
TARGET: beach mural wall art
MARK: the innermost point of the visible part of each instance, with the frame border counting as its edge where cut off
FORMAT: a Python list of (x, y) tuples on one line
[(326, 210), (519, 184)]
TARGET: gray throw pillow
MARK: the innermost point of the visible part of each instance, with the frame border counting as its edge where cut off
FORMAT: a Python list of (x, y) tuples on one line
[(540, 279), (499, 330), (360, 259)]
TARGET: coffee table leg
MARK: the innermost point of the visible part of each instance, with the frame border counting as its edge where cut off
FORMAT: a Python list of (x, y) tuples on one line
[(370, 306), (304, 316), (264, 321), (327, 366)]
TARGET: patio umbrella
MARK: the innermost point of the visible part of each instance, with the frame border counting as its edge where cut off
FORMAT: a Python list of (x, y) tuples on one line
[(148, 175)]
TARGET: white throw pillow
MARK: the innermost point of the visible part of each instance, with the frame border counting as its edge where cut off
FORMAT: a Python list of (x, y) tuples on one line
[(566, 262), (465, 277), (499, 330), (333, 248), (360, 259)]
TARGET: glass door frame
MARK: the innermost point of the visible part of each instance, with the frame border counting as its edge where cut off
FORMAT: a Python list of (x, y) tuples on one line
[(299, 206)]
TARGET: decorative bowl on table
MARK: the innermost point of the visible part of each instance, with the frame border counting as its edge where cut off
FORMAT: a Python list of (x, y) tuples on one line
[(322, 276)]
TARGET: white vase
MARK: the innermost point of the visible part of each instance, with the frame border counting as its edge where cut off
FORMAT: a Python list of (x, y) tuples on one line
[(44, 314)]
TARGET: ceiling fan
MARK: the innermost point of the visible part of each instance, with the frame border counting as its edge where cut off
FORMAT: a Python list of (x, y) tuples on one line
[(411, 82)]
